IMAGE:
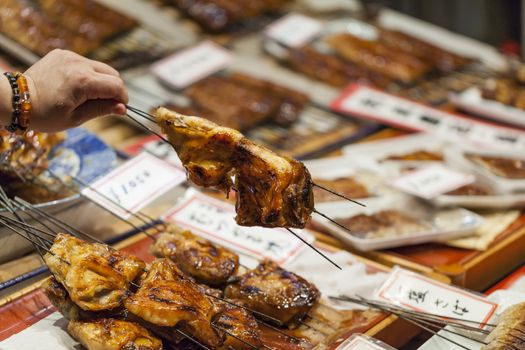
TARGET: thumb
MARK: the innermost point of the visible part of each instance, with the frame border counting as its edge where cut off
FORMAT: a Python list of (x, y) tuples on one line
[(97, 108)]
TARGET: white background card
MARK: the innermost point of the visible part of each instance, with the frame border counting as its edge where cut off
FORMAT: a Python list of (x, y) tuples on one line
[(214, 220), (432, 181), (135, 184), (416, 292), (190, 65), (294, 30)]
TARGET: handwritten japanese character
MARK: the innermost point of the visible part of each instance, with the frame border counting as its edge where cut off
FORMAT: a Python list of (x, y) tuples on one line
[(417, 296)]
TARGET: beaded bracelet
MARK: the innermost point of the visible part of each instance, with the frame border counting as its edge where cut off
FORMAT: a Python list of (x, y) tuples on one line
[(25, 100), (15, 102)]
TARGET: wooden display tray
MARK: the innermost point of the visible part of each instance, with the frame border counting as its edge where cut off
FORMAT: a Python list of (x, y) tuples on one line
[(472, 269), (26, 307), (510, 281)]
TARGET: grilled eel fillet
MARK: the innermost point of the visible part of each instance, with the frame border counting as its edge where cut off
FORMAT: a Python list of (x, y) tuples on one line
[(168, 300), (510, 332), (275, 292), (112, 334), (272, 191), (197, 257), (95, 276)]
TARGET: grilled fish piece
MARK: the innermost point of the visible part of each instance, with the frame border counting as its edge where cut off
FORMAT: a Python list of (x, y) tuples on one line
[(241, 324), (275, 292), (111, 334), (197, 257), (510, 332), (167, 299), (272, 191), (375, 56), (95, 276)]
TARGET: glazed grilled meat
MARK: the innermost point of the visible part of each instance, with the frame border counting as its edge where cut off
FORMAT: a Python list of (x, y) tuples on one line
[(272, 191), (441, 59), (346, 186), (30, 150), (111, 334), (169, 300), (95, 276), (43, 25), (239, 326), (505, 167), (219, 15), (385, 223), (380, 58), (331, 69), (510, 332), (197, 257), (241, 102), (275, 292)]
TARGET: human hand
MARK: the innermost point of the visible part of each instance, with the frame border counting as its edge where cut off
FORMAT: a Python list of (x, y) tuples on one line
[(68, 89)]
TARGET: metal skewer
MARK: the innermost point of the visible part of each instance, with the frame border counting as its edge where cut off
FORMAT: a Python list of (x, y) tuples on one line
[(313, 247)]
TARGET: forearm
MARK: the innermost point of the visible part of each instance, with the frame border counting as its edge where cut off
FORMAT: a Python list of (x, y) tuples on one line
[(5, 101)]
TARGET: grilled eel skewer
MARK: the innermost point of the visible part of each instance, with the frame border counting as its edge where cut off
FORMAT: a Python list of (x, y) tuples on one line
[(272, 190)]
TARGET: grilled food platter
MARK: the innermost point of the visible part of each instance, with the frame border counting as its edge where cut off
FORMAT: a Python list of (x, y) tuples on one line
[(89, 28), (31, 306), (76, 153)]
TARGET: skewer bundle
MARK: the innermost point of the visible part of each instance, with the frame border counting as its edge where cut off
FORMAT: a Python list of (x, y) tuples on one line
[(507, 334)]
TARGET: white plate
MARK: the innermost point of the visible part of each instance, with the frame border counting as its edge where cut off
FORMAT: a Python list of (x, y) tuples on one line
[(472, 101), (443, 224), (503, 201), (378, 151), (456, 157)]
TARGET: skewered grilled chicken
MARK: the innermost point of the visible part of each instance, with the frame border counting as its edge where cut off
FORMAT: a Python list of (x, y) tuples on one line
[(510, 332), (167, 299), (95, 276), (197, 257), (111, 334), (242, 325), (275, 292), (57, 294), (272, 191)]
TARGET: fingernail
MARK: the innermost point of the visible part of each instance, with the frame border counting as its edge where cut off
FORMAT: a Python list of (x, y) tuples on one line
[(119, 109)]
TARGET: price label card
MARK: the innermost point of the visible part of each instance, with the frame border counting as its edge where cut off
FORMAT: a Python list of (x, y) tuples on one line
[(190, 65), (215, 220), (135, 184), (432, 181), (419, 293), (366, 102), (294, 30), (360, 342)]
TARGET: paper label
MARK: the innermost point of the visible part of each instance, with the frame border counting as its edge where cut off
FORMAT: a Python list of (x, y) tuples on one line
[(294, 30), (190, 65), (363, 101), (214, 219), (432, 181), (135, 184), (360, 343), (420, 293)]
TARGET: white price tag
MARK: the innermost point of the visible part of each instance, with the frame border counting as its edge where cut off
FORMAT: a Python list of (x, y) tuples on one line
[(359, 342), (432, 181), (416, 292), (214, 219), (135, 184), (363, 101), (190, 65), (294, 30)]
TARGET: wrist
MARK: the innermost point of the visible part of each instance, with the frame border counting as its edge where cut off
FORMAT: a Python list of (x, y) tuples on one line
[(6, 96)]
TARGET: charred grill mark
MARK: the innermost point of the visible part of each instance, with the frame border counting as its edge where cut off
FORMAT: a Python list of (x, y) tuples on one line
[(250, 290)]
